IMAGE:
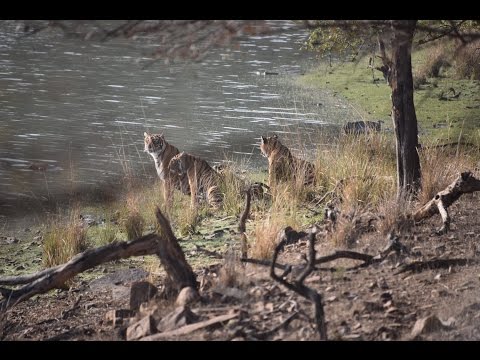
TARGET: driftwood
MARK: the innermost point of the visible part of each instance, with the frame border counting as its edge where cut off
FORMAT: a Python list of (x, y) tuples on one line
[(464, 184), (298, 286), (166, 247)]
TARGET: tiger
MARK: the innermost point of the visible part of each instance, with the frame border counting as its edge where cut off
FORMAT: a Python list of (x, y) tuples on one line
[(162, 152), (202, 178), (282, 165)]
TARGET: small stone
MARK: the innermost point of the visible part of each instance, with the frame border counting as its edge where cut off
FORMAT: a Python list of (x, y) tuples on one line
[(331, 288), (179, 317), (437, 277), (140, 329), (11, 240), (331, 298), (187, 296), (430, 324), (20, 267)]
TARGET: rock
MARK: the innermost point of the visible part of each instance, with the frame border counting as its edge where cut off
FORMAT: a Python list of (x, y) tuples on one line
[(187, 296), (430, 324), (331, 298), (140, 292), (11, 240), (116, 317), (141, 328), (38, 238), (20, 267), (181, 316)]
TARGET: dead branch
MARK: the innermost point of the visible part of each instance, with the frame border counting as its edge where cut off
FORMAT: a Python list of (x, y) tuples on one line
[(464, 184), (419, 266), (57, 276), (242, 227), (179, 271), (166, 247), (345, 254), (298, 286)]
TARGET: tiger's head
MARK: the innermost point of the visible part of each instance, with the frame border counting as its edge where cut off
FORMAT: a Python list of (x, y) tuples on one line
[(154, 143), (268, 144), (177, 164)]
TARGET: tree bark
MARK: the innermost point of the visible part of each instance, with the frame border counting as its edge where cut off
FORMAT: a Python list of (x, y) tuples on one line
[(403, 108)]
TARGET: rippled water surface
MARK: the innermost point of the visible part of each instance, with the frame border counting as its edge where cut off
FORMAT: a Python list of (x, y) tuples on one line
[(73, 113)]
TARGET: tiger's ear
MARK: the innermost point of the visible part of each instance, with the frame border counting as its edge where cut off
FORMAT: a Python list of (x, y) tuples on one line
[(145, 134), (264, 139), (275, 137)]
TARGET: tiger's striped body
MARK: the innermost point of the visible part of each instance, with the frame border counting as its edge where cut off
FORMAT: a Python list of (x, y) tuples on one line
[(162, 152), (282, 165), (202, 178)]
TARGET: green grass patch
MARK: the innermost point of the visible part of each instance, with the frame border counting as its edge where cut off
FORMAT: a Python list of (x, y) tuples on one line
[(444, 120)]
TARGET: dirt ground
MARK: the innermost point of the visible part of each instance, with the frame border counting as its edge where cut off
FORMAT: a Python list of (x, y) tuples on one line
[(371, 303)]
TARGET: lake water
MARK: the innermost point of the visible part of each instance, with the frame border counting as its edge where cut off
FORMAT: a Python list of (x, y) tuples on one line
[(79, 108)]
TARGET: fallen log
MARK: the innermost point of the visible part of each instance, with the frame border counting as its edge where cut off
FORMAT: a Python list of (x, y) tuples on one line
[(464, 184), (166, 247)]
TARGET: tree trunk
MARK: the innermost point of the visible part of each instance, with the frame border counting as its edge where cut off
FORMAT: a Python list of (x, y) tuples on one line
[(403, 108)]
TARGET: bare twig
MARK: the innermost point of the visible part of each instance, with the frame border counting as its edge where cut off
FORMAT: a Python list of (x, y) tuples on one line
[(298, 286)]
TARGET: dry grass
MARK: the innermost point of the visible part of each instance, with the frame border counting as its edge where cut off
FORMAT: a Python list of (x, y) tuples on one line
[(231, 273), (364, 164), (441, 165), (232, 187), (63, 240), (467, 61), (394, 214), (132, 221), (283, 212)]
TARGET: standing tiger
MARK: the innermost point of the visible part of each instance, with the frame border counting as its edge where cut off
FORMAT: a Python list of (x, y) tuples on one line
[(162, 152), (282, 165), (202, 178)]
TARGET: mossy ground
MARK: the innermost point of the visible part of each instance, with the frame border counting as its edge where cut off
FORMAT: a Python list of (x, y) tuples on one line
[(442, 120)]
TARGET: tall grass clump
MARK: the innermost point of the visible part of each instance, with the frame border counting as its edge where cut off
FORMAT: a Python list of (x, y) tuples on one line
[(232, 187), (283, 212), (440, 165), (359, 169), (467, 61), (63, 240), (132, 221)]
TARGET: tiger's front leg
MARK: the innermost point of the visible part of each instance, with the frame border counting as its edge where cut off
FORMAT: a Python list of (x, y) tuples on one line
[(168, 191)]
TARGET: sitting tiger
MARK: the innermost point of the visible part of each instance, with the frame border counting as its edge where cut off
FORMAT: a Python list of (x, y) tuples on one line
[(202, 178), (162, 152), (282, 165)]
